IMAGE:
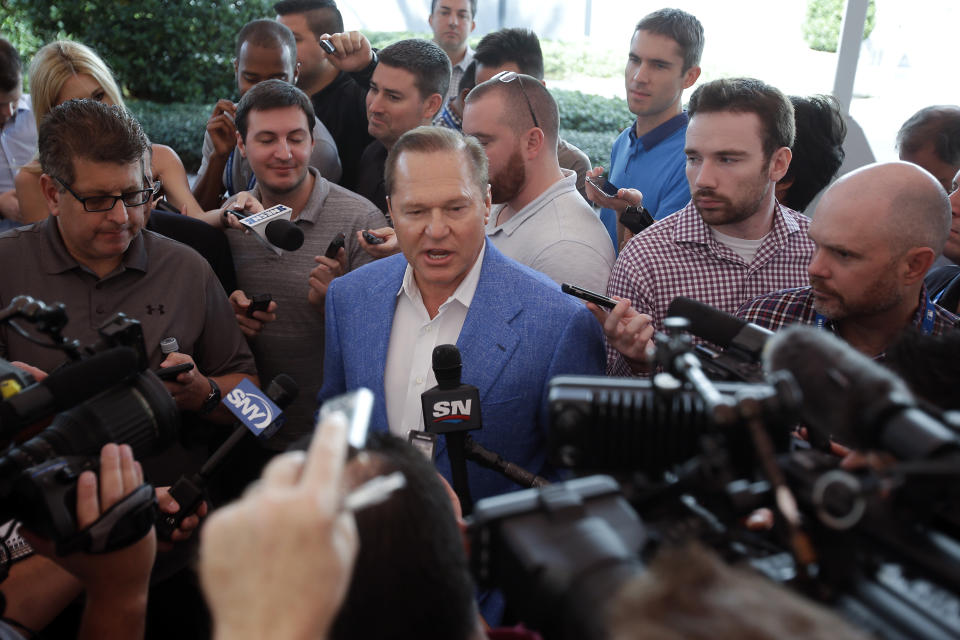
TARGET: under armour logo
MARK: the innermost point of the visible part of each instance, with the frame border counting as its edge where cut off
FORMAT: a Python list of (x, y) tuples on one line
[(151, 309)]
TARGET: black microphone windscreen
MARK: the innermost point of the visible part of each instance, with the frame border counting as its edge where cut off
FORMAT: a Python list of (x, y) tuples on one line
[(844, 391), (447, 364), (284, 234), (82, 380), (282, 390), (708, 323)]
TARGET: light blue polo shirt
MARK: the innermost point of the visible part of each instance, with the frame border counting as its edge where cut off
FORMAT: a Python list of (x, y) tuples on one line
[(654, 164)]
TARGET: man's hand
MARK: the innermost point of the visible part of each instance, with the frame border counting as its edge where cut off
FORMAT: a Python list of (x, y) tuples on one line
[(251, 326), (167, 504), (623, 199), (323, 274), (118, 574), (190, 388), (297, 547), (353, 52), (9, 205), (38, 374), (627, 331), (222, 130), (387, 248)]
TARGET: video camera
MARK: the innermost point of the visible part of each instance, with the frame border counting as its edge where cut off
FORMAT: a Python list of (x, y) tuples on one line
[(103, 393), (696, 458)]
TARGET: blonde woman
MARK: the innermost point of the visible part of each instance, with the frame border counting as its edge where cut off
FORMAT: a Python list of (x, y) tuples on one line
[(64, 70)]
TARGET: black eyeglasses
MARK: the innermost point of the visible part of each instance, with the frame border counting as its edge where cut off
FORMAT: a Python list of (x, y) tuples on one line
[(97, 204), (510, 76)]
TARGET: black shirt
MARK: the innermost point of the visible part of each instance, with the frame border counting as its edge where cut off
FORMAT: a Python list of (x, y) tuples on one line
[(341, 107), (370, 182)]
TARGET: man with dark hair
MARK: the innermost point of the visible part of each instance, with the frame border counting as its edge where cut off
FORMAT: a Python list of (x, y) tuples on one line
[(93, 255), (452, 22), (664, 60), (877, 230), (519, 50), (406, 91), (265, 49), (274, 120), (817, 150), (931, 139), (513, 326), (18, 132), (733, 241), (415, 534), (538, 219), (451, 115), (337, 97)]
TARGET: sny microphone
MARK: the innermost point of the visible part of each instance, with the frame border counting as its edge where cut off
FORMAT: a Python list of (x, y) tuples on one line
[(274, 228), (259, 413), (849, 396)]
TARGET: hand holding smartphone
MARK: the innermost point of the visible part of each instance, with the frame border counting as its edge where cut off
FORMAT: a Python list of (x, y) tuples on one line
[(589, 296), (335, 246)]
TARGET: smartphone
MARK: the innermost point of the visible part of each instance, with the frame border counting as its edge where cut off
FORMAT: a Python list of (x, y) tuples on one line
[(170, 373), (259, 302), (372, 239), (327, 46), (356, 407), (604, 185), (335, 245), (589, 296)]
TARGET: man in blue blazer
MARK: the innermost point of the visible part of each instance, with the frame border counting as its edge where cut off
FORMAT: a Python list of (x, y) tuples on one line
[(514, 328)]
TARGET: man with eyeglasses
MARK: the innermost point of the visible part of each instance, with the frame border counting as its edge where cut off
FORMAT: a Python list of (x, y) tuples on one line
[(538, 217), (93, 254)]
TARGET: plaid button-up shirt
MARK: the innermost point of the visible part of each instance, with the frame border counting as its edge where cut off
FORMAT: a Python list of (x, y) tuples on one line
[(795, 306), (679, 256)]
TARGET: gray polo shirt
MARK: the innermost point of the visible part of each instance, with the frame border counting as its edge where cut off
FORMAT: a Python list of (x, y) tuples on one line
[(559, 235), (293, 343), (238, 176), (165, 285)]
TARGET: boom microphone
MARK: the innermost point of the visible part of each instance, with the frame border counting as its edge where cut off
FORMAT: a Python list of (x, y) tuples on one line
[(852, 398), (722, 329), (66, 388)]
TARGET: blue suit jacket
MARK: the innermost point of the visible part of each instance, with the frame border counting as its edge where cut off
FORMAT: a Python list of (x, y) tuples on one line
[(520, 332)]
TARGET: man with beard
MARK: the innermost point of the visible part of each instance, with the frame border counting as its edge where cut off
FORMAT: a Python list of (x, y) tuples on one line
[(877, 230), (539, 218), (733, 241)]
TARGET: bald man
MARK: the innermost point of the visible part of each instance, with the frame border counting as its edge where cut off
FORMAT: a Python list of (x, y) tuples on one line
[(877, 231)]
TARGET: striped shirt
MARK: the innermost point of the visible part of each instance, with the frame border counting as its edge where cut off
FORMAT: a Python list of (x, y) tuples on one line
[(679, 256)]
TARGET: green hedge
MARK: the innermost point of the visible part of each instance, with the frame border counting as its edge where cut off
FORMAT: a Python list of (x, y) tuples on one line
[(180, 126)]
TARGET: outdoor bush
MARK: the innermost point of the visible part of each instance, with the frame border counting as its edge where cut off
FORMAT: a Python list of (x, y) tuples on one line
[(586, 112), (160, 51), (593, 143), (180, 126), (821, 29)]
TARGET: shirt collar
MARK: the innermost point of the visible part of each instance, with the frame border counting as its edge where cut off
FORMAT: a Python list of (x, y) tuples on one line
[(312, 209), (467, 59), (565, 184), (463, 294), (57, 259), (661, 132), (691, 228)]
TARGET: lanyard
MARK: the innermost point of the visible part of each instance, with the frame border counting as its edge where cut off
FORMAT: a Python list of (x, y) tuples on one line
[(229, 176)]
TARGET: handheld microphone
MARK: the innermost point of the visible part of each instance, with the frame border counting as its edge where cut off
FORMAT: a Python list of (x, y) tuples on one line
[(274, 228), (849, 396), (66, 388), (741, 341), (453, 409), (262, 416)]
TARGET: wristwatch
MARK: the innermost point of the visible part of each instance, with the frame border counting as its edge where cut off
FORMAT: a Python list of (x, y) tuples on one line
[(211, 401), (636, 218)]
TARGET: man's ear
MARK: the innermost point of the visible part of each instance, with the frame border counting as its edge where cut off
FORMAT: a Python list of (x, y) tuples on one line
[(535, 140), (690, 76), (51, 193), (487, 203), (431, 106), (241, 146), (779, 163), (296, 72), (916, 262)]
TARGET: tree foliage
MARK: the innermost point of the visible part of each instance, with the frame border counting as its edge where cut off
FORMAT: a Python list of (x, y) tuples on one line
[(821, 29), (160, 50)]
